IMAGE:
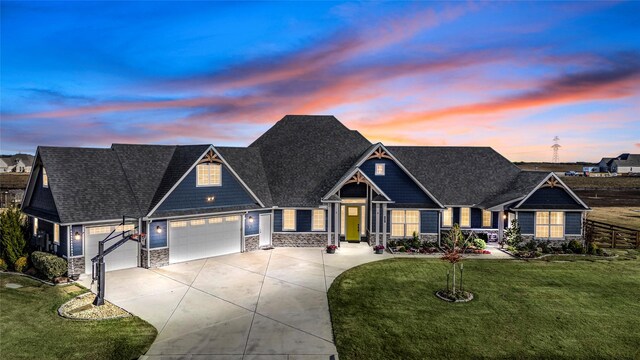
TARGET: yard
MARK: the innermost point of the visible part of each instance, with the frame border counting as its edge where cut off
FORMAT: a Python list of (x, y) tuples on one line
[(32, 329), (622, 216), (535, 309)]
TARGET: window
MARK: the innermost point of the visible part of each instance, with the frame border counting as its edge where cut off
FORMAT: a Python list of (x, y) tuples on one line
[(45, 178), (56, 234), (405, 222), (209, 175), (178, 224), (232, 218), (99, 230), (486, 218), (362, 220), (465, 217), (318, 220), (35, 226), (342, 218), (447, 217), (549, 224), (127, 227), (196, 222), (288, 219), (215, 220), (379, 169)]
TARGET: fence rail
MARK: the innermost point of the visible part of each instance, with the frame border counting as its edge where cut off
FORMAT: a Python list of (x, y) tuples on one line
[(611, 236)]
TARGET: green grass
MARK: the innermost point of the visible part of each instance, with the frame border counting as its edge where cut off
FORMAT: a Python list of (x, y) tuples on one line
[(31, 328), (522, 309)]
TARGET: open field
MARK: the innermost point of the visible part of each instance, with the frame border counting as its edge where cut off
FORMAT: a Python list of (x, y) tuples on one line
[(522, 310), (545, 166), (31, 328), (628, 217), (616, 182)]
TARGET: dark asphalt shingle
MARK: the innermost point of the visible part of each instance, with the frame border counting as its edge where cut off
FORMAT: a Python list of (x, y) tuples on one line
[(247, 163)]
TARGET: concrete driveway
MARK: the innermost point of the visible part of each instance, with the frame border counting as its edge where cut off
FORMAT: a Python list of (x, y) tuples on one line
[(267, 304)]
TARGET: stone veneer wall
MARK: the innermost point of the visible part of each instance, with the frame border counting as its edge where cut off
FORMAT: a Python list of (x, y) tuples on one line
[(78, 266), (159, 257), (299, 239), (567, 238), (251, 243), (429, 237)]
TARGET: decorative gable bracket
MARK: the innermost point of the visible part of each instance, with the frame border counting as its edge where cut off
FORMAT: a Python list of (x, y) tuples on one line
[(210, 157)]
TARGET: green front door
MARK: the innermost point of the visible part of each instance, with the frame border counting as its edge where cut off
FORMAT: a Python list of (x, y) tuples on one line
[(353, 223)]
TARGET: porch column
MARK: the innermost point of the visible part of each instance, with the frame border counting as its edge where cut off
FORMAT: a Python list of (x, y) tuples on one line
[(384, 225), (336, 220), (329, 209), (500, 225), (377, 223)]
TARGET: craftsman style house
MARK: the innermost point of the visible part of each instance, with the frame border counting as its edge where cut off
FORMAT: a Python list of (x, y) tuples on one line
[(307, 181)]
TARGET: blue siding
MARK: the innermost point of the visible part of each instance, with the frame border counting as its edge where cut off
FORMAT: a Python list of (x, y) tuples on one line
[(354, 190), (277, 220), (573, 223), (526, 219), (303, 220), (42, 199), (252, 228), (429, 222), (158, 239), (456, 215), (62, 248), (397, 184), (187, 196), (476, 218), (77, 243), (551, 198), (495, 217)]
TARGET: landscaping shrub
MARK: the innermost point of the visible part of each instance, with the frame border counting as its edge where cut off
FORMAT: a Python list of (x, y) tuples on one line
[(20, 264), (479, 244), (3, 265), (593, 249), (513, 234), (576, 247), (49, 265), (13, 232)]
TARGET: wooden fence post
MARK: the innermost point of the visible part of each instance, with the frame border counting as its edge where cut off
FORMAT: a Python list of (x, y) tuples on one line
[(637, 239)]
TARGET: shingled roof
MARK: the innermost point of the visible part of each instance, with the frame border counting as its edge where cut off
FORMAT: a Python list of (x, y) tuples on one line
[(458, 175), (306, 156)]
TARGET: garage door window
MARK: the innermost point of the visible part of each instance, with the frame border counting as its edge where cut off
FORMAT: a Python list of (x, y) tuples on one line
[(178, 224)]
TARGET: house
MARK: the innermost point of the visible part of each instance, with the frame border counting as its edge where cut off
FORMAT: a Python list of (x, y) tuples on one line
[(605, 164), (16, 163), (307, 181), (626, 164)]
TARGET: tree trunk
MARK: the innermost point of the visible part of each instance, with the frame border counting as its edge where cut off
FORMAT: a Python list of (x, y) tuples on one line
[(453, 288)]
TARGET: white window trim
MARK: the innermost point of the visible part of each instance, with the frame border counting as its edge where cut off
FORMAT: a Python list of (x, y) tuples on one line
[(549, 226), (384, 169), (45, 178), (404, 224), (468, 225), (448, 211), (484, 212), (313, 220), (294, 220), (208, 167)]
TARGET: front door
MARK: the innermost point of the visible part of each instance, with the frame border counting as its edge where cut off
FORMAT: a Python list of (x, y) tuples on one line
[(353, 223), (265, 229)]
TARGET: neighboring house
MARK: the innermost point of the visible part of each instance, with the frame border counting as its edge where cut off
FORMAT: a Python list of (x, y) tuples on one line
[(605, 164), (16, 163), (626, 164), (307, 181)]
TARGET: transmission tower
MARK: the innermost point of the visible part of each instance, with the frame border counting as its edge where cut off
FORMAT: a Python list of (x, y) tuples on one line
[(555, 147)]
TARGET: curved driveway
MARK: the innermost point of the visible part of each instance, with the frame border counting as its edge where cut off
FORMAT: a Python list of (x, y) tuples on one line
[(267, 304)]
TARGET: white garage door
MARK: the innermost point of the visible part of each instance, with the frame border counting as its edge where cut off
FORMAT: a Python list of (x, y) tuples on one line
[(124, 257), (205, 237)]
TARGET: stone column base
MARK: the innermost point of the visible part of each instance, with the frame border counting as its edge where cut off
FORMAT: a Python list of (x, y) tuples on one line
[(299, 240), (251, 242), (159, 257), (75, 266)]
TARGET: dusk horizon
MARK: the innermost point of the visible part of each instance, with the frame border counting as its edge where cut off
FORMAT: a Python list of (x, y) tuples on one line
[(510, 76)]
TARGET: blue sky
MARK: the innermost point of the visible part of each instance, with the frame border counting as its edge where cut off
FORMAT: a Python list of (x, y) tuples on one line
[(500, 74)]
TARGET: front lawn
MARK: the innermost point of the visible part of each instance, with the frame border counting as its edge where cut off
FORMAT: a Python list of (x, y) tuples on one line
[(522, 309), (31, 328)]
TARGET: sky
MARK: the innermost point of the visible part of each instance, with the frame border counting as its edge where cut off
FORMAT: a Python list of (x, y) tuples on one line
[(510, 75)]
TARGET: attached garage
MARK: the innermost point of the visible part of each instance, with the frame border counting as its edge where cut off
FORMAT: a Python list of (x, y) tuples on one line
[(124, 257), (204, 237)]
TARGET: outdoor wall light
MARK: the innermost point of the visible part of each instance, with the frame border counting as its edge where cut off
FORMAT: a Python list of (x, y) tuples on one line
[(250, 219), (211, 198), (76, 236), (504, 216), (158, 229)]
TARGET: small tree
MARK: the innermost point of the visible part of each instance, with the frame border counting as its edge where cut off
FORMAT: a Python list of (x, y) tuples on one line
[(513, 234), (454, 246), (13, 231)]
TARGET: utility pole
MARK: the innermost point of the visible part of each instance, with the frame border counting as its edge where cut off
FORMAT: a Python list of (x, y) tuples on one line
[(556, 146)]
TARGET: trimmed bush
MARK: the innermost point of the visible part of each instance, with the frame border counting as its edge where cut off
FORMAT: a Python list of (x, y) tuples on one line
[(20, 264), (479, 244), (3, 265), (576, 247), (49, 265)]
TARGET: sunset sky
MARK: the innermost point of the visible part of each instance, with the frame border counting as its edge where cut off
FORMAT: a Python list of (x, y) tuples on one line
[(507, 75)]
